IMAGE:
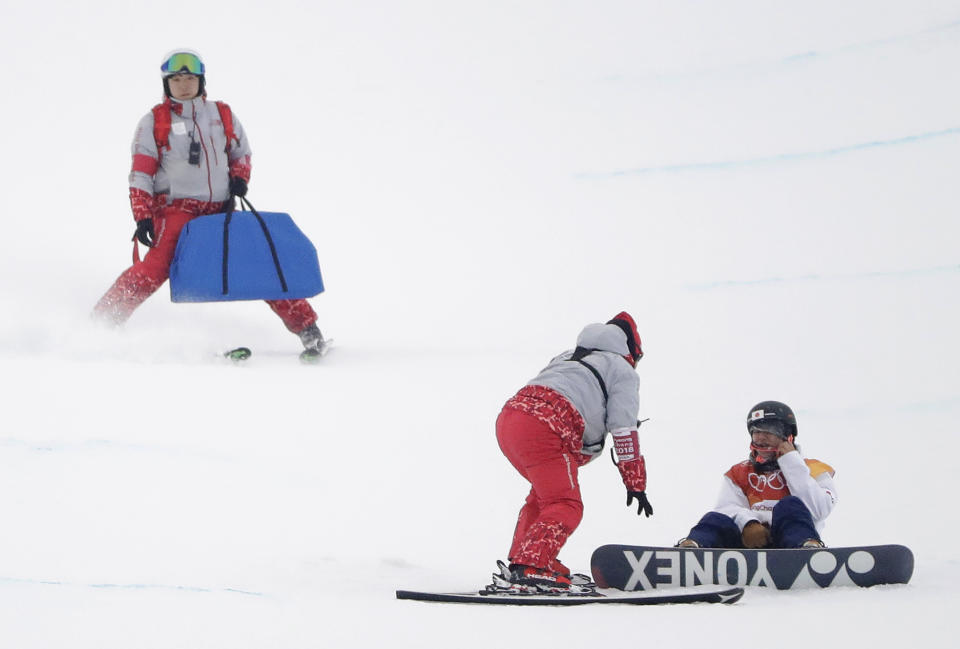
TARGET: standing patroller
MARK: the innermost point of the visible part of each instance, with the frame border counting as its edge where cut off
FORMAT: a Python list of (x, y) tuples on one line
[(773, 499), (557, 423), (191, 156)]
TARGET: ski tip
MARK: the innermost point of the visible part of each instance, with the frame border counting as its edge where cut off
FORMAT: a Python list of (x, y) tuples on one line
[(312, 356), (238, 354)]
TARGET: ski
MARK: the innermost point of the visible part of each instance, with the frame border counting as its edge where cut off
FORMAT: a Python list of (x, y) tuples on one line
[(677, 596), (239, 354), (312, 356), (307, 356)]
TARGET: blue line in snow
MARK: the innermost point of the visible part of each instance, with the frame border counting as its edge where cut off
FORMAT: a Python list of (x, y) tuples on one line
[(880, 42), (789, 59), (808, 278), (934, 406), (193, 589), (782, 157)]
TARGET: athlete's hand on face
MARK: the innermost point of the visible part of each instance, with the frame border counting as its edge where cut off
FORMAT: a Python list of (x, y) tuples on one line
[(785, 447)]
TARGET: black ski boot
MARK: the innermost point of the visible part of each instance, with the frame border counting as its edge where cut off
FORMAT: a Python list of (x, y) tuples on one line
[(314, 344)]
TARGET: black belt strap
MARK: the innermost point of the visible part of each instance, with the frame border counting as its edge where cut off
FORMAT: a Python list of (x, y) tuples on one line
[(578, 355), (226, 248), (266, 235)]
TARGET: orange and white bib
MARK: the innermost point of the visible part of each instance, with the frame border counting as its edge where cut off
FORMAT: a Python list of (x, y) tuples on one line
[(764, 490)]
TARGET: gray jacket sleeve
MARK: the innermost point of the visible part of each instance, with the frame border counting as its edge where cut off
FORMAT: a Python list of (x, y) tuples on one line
[(242, 150), (623, 396), (145, 156)]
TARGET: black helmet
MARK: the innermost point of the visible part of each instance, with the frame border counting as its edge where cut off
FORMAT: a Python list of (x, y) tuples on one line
[(773, 417)]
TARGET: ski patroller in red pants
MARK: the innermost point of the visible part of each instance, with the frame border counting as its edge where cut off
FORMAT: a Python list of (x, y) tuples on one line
[(141, 280), (553, 508)]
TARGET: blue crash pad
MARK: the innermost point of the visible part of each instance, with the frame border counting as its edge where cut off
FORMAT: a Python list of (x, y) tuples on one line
[(244, 256)]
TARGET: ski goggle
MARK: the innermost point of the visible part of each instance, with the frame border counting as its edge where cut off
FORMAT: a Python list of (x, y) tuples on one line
[(773, 427), (182, 62)]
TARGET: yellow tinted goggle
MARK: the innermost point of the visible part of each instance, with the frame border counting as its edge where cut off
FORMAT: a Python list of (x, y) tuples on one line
[(182, 62)]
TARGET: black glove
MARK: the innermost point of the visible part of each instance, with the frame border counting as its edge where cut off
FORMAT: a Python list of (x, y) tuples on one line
[(643, 505), (144, 233), (238, 186)]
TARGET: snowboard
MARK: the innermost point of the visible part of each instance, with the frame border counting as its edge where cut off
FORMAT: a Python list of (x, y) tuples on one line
[(640, 567), (678, 596)]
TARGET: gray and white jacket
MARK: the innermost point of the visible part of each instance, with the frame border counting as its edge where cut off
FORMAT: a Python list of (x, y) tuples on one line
[(170, 173), (581, 388)]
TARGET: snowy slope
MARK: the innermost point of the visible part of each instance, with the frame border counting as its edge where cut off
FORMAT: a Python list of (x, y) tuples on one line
[(768, 187)]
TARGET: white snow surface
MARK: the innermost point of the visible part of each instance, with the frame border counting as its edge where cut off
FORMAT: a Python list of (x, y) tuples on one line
[(770, 188)]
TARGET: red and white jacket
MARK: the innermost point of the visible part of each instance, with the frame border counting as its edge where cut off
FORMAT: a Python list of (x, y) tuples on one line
[(161, 178)]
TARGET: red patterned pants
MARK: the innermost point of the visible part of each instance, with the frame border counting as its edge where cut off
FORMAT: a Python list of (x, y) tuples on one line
[(141, 280), (553, 508)]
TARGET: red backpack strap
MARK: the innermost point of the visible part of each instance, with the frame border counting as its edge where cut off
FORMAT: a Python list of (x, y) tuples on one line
[(226, 117), (161, 126)]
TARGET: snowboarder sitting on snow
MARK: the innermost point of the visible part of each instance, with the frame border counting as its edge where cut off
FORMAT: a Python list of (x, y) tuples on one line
[(556, 424), (190, 158), (775, 498)]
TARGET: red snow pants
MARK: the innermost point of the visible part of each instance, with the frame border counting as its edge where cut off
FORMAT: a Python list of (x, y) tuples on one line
[(553, 508), (141, 280)]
